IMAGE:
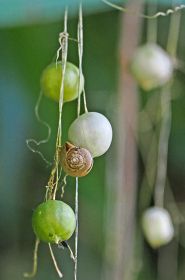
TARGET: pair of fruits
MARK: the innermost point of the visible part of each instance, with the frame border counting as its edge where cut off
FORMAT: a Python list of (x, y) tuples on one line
[(152, 67), (90, 136)]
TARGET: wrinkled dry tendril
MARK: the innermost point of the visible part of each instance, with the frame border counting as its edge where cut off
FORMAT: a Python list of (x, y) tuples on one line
[(158, 14), (30, 142), (64, 183), (35, 262), (63, 36)]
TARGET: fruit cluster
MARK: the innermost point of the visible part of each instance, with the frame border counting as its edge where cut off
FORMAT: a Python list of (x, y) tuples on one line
[(90, 136)]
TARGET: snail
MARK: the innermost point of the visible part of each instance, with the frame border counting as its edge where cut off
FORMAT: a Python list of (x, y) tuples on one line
[(51, 81), (91, 131), (157, 226), (151, 66), (76, 161)]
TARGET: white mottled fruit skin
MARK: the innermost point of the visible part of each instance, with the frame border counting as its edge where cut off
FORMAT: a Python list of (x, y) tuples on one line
[(91, 131), (157, 226), (151, 66)]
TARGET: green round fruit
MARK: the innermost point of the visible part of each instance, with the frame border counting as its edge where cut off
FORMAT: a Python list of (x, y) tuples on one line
[(51, 81), (53, 221)]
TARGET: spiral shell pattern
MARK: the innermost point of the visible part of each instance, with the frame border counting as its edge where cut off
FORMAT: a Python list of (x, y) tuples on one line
[(76, 161)]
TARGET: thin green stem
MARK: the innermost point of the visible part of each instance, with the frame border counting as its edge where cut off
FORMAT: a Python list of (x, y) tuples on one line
[(80, 55), (173, 34), (35, 261), (76, 231), (163, 145), (166, 117), (85, 102)]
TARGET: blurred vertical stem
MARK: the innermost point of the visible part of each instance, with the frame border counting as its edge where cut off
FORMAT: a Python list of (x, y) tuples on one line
[(166, 116), (152, 24), (147, 185), (172, 250), (126, 188), (163, 145)]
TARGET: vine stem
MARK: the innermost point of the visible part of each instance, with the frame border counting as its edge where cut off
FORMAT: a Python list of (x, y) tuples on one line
[(63, 40), (166, 117), (163, 146), (156, 15), (80, 54), (35, 261), (76, 231)]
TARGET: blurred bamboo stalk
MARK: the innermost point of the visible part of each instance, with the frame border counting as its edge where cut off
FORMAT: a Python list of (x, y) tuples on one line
[(123, 224)]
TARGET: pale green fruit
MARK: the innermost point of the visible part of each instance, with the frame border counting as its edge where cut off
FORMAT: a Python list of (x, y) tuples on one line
[(157, 226), (151, 66), (53, 221), (91, 131), (51, 81)]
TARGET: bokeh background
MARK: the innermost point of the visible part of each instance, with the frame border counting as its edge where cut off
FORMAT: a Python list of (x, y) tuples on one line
[(29, 41)]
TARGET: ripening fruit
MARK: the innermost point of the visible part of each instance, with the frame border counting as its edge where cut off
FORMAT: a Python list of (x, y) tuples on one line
[(51, 81), (91, 131), (157, 226), (151, 66), (53, 221)]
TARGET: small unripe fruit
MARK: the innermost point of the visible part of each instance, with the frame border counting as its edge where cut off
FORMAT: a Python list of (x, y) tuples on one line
[(157, 226), (51, 81), (53, 221), (151, 66), (91, 131)]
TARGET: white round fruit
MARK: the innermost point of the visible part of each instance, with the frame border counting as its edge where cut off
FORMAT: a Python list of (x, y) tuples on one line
[(91, 131), (157, 226), (151, 66)]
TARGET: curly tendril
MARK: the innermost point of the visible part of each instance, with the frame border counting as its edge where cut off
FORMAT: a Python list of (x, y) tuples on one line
[(158, 14)]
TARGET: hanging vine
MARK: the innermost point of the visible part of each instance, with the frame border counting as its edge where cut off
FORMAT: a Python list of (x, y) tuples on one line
[(54, 221)]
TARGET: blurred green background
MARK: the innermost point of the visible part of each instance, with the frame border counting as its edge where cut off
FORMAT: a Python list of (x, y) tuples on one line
[(27, 46)]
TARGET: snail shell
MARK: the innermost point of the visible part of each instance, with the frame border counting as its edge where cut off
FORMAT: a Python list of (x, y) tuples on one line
[(76, 161)]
